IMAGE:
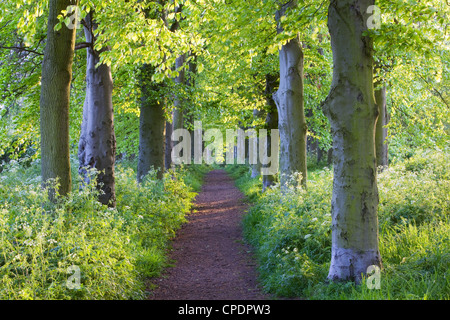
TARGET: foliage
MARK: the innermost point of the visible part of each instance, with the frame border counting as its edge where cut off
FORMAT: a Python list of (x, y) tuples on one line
[(115, 249), (234, 45), (292, 236)]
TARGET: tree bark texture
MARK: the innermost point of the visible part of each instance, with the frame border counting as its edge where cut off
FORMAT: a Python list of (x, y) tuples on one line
[(178, 111), (168, 146), (351, 109), (381, 133), (256, 167), (271, 121), (290, 105), (151, 126), (190, 116), (55, 101), (180, 80), (97, 146)]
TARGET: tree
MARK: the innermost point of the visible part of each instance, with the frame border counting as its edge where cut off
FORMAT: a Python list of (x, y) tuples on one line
[(352, 112), (411, 46), (168, 145), (180, 81), (152, 119), (290, 105), (381, 132), (152, 125), (55, 100), (271, 120), (97, 146)]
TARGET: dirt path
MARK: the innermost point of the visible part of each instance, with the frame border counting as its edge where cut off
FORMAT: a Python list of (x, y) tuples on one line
[(211, 260)]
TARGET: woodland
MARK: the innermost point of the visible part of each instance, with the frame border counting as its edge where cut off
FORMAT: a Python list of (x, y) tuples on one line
[(354, 96)]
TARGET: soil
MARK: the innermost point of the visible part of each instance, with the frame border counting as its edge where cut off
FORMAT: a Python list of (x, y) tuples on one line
[(211, 260)]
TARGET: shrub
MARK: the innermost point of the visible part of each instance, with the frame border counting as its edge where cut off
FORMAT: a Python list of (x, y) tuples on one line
[(113, 249), (291, 233)]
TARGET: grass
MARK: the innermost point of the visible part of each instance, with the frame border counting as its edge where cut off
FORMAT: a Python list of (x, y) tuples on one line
[(115, 250), (291, 233)]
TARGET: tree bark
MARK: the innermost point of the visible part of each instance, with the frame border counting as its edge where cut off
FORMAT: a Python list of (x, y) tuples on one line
[(271, 121), (97, 146), (290, 105), (177, 115), (381, 144), (330, 156), (180, 80), (168, 146), (55, 101), (190, 83), (351, 109), (151, 126), (178, 112), (256, 167)]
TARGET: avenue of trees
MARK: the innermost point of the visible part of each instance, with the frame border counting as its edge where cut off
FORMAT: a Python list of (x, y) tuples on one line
[(354, 84)]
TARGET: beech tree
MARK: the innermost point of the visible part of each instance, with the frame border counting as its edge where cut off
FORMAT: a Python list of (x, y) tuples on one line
[(152, 120), (381, 132), (97, 146), (271, 120), (180, 80), (152, 125), (55, 100), (290, 104), (352, 112)]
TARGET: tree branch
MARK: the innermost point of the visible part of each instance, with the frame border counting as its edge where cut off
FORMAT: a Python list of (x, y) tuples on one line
[(435, 90), (83, 45), (22, 49)]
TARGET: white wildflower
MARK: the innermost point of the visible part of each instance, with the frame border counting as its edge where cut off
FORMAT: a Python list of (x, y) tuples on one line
[(29, 243)]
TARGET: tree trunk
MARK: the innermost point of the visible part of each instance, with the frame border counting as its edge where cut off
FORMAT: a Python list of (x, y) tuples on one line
[(381, 145), (178, 112), (351, 109), (271, 121), (256, 167), (330, 157), (319, 154), (55, 101), (168, 146), (97, 147), (190, 83), (151, 126), (290, 104), (178, 118)]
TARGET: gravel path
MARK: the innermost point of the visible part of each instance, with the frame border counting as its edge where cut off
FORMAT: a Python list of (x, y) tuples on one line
[(212, 262)]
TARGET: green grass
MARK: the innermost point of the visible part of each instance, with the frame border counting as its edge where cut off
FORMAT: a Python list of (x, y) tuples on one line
[(114, 249), (291, 233)]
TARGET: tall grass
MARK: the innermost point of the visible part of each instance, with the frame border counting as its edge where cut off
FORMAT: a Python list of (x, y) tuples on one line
[(291, 233), (114, 250)]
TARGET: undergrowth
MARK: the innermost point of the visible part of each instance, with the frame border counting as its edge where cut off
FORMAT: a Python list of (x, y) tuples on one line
[(80, 249), (291, 232)]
